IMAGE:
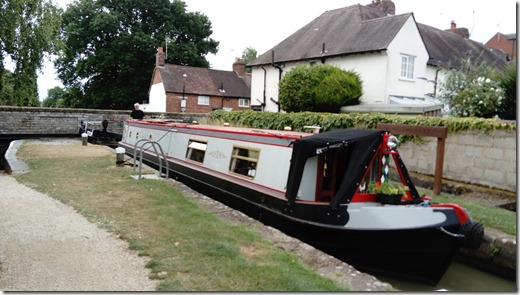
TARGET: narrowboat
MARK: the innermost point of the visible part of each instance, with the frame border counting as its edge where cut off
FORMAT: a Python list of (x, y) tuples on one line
[(322, 188)]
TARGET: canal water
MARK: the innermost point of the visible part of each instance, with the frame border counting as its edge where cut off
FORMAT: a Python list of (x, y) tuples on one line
[(458, 278)]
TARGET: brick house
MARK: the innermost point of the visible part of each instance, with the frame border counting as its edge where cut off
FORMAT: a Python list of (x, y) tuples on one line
[(507, 43), (176, 88)]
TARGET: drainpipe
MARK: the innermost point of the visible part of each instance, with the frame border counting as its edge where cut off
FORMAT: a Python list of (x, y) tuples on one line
[(280, 71), (265, 86), (435, 84)]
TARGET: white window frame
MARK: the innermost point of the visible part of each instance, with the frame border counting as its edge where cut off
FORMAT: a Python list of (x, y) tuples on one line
[(243, 102), (244, 161), (196, 150), (203, 100), (407, 66)]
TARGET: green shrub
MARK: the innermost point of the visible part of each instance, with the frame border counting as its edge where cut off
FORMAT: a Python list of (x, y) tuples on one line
[(327, 121), (507, 109), (319, 88), (474, 90)]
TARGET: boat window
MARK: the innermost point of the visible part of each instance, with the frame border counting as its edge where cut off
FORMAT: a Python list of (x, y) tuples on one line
[(244, 161), (196, 150)]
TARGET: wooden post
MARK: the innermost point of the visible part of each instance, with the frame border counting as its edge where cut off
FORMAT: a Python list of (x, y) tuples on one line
[(440, 132)]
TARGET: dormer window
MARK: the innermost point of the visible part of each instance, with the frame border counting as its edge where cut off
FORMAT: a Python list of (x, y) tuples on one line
[(221, 88)]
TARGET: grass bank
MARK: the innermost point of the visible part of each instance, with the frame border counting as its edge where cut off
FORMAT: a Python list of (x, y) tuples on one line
[(189, 249)]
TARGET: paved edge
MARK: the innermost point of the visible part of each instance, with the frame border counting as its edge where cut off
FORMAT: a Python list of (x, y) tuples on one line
[(13, 164)]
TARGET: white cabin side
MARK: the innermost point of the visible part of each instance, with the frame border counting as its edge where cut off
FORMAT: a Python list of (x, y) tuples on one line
[(270, 171)]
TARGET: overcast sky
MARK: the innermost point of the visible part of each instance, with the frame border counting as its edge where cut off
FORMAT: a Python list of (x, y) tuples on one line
[(238, 24)]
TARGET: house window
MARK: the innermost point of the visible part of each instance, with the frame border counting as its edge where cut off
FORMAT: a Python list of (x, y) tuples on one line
[(407, 66), (203, 100), (196, 150), (243, 102), (244, 161)]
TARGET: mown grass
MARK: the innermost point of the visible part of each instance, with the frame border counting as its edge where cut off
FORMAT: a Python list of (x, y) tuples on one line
[(189, 249)]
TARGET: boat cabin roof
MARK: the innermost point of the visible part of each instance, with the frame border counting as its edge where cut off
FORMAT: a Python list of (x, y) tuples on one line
[(285, 134)]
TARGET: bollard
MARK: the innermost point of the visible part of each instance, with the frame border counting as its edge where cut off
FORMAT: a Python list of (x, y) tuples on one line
[(120, 157), (84, 137)]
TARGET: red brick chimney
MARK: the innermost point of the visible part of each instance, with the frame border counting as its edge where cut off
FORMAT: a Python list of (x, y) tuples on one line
[(463, 32), (239, 67), (160, 58), (386, 6)]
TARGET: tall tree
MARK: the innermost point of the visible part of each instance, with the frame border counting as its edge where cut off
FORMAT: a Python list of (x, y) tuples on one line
[(248, 55), (111, 46), (29, 29)]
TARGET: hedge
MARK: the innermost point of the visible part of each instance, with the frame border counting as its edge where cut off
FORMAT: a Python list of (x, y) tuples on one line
[(329, 121)]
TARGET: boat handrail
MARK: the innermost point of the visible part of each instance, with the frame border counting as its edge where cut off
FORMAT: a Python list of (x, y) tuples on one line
[(159, 158)]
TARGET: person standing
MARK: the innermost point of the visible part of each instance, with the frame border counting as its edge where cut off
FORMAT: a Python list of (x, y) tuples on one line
[(137, 113)]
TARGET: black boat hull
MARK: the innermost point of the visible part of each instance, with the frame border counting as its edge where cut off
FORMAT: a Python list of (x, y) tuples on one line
[(421, 254)]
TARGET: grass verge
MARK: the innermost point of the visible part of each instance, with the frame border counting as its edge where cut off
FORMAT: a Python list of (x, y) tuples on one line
[(189, 249)]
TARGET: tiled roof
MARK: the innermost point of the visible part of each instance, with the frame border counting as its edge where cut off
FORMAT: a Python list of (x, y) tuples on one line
[(359, 29), (447, 48), (203, 81), (348, 30)]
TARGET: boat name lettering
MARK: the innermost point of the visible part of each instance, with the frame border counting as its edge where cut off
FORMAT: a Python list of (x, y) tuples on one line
[(217, 154)]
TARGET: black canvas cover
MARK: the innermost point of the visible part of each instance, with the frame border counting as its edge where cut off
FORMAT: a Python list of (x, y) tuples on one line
[(363, 144)]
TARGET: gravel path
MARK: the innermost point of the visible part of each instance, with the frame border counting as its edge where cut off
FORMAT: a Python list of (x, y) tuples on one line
[(47, 246)]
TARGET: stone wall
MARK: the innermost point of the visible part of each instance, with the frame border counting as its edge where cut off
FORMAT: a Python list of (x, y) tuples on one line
[(33, 121), (471, 157)]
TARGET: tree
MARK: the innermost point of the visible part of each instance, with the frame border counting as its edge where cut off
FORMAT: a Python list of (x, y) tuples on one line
[(7, 91), (29, 29), (111, 47), (319, 88), (248, 55), (54, 98), (474, 90)]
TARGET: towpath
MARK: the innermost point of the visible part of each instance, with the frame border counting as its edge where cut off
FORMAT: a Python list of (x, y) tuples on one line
[(47, 246)]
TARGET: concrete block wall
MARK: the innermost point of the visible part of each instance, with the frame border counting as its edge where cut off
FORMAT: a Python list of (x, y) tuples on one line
[(471, 157)]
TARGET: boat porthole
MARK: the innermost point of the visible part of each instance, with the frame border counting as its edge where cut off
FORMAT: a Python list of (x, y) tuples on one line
[(150, 137), (137, 135)]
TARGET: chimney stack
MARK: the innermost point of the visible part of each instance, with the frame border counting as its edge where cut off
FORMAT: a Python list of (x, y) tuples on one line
[(453, 25), (386, 6), (239, 67), (463, 32), (160, 58)]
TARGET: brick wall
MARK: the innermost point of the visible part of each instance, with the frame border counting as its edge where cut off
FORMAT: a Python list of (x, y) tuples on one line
[(500, 41), (471, 157), (173, 103)]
